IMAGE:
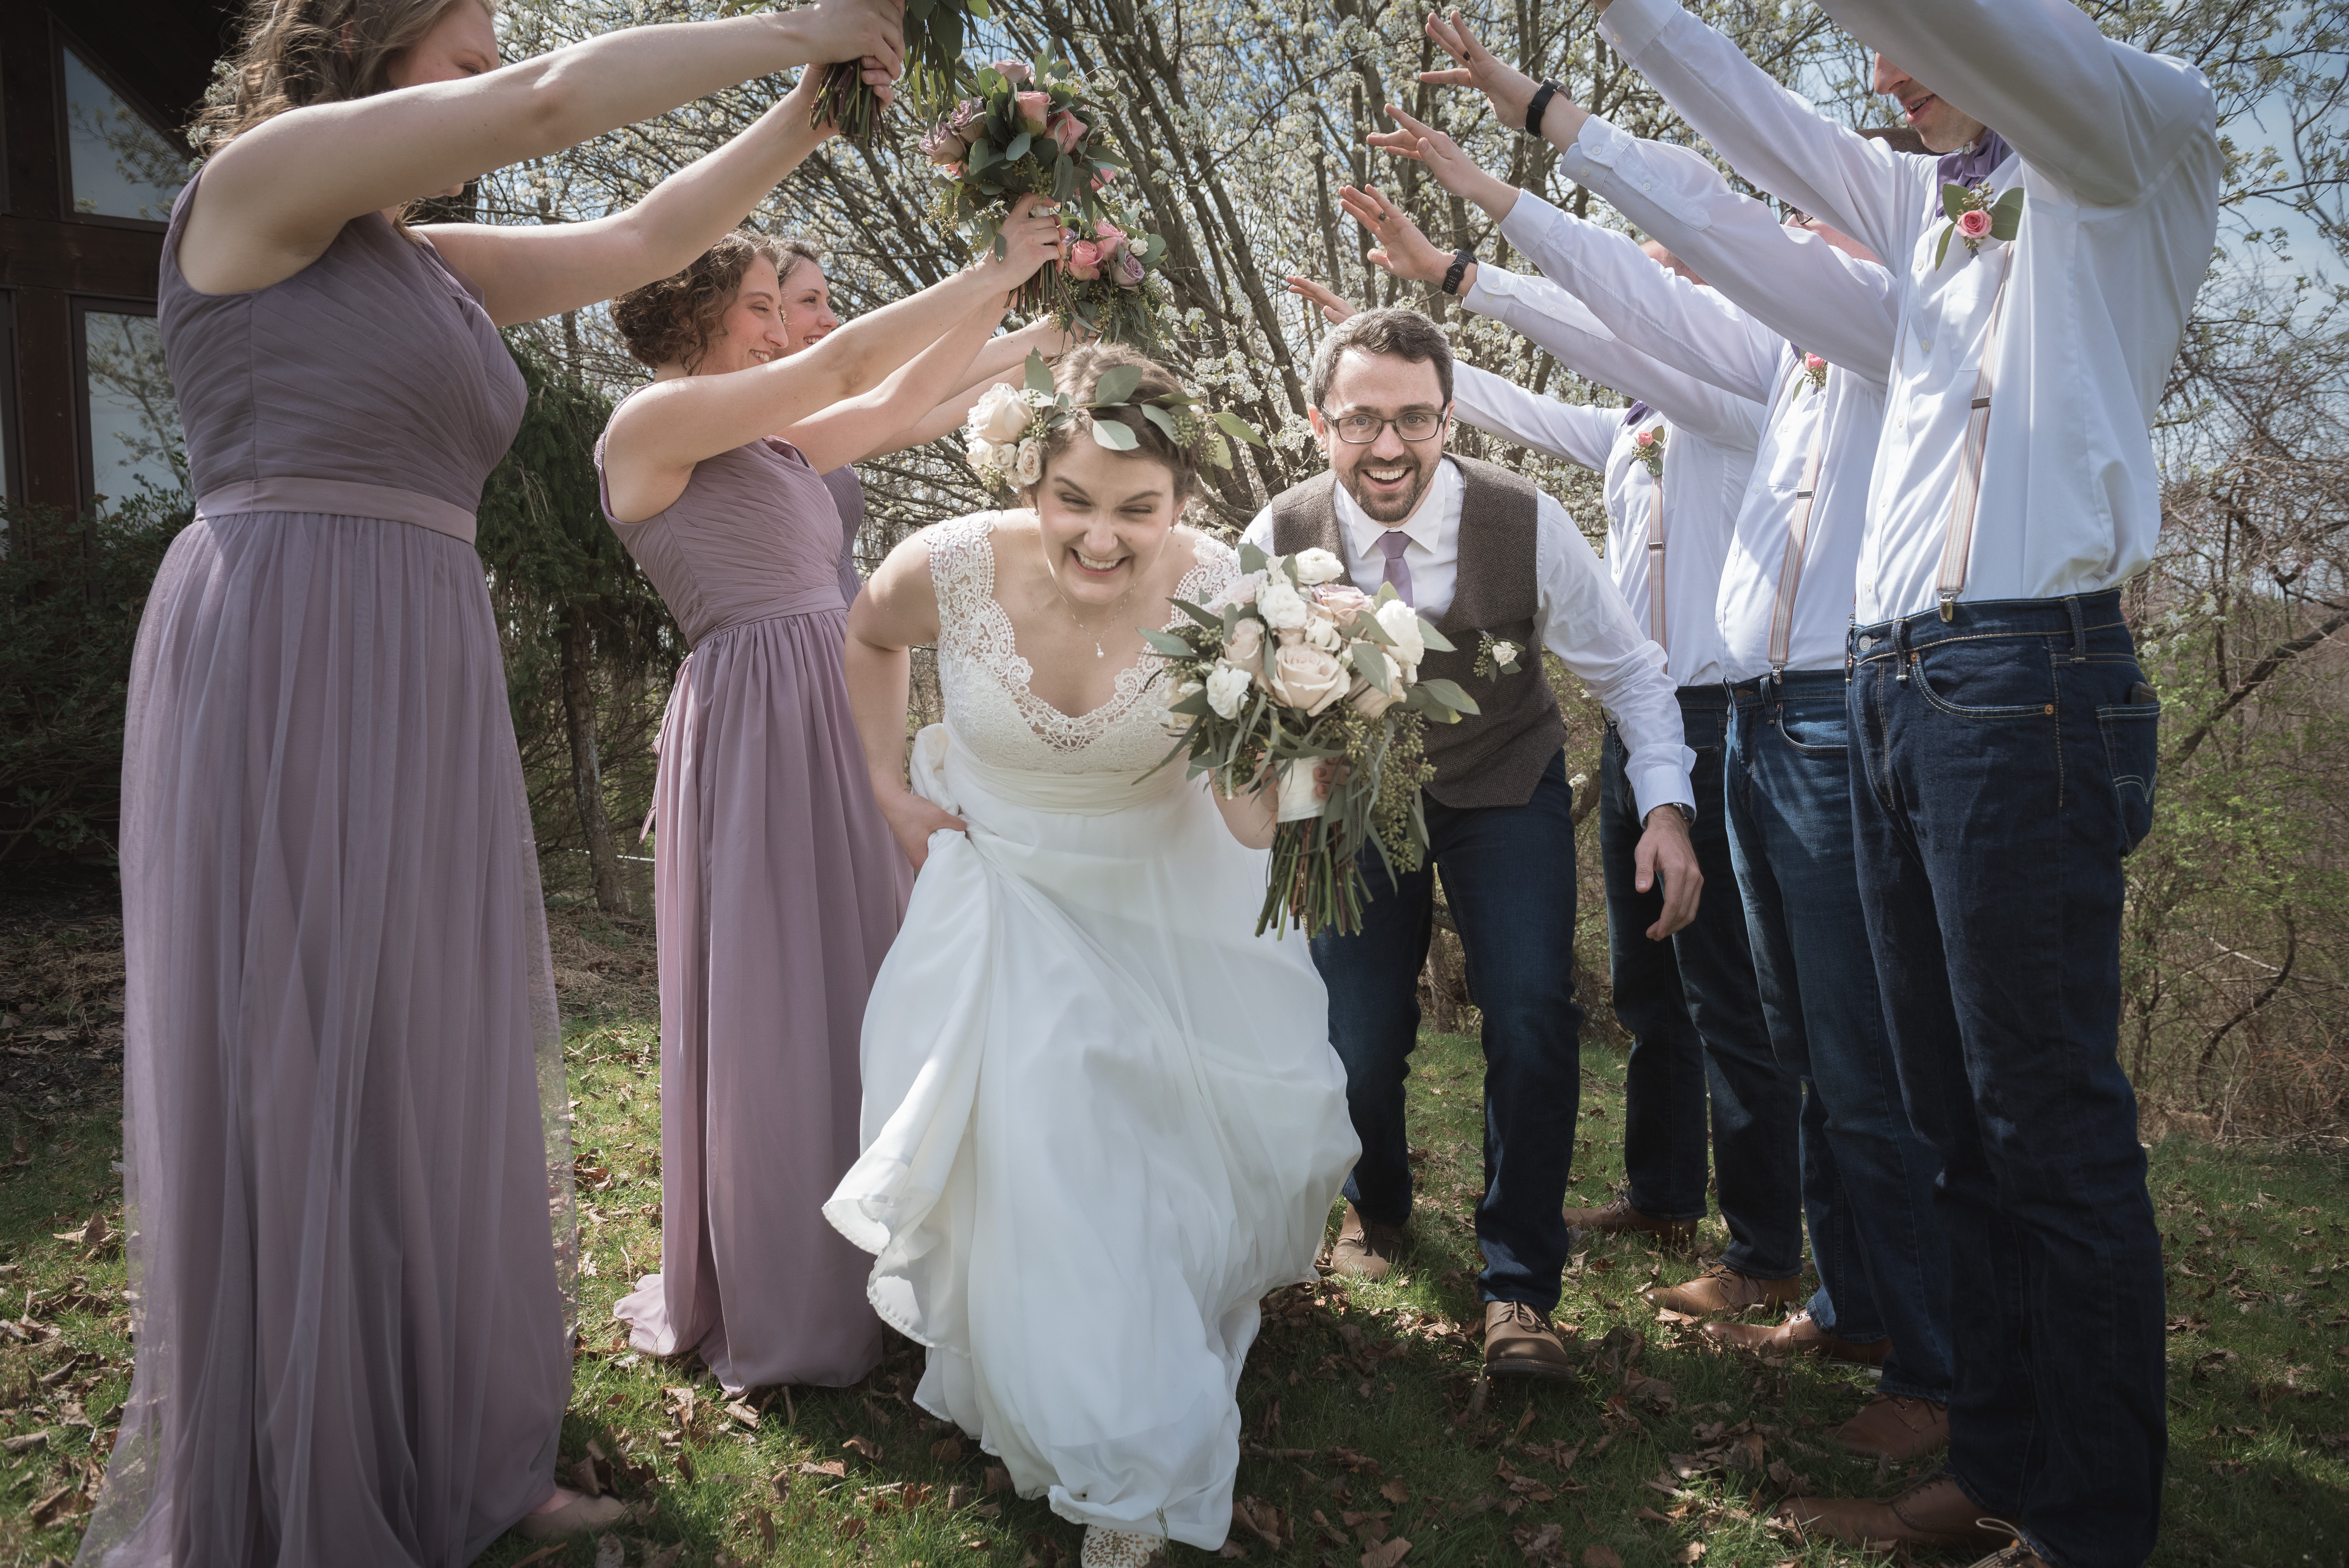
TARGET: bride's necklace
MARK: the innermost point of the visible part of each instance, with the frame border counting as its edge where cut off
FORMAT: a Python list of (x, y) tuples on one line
[(1078, 621)]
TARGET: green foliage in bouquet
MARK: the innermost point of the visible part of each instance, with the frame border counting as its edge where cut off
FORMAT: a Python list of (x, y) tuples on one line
[(1110, 283), (934, 43), (1299, 683)]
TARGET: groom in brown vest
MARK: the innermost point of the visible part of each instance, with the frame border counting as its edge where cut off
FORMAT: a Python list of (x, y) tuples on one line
[(1479, 552)]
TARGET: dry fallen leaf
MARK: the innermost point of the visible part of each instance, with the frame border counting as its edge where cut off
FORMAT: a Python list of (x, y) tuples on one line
[(946, 1450), (1688, 1553), (764, 1523), (1597, 1556), (583, 1478), (848, 1528), (29, 1441), (1540, 1546), (1394, 1491), (997, 1479), (611, 1553), (1386, 1555), (865, 1447), (838, 1468)]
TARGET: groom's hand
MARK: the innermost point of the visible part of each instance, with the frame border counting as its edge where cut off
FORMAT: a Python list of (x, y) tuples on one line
[(1665, 853)]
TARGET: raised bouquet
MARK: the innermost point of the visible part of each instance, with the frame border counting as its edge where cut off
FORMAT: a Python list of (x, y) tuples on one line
[(1294, 679), (934, 38), (1028, 130)]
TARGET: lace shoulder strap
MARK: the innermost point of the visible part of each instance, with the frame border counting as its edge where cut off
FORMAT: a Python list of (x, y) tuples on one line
[(962, 575), (1215, 566)]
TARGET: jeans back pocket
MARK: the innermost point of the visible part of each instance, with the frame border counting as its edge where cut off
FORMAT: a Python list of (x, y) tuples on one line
[(2132, 749)]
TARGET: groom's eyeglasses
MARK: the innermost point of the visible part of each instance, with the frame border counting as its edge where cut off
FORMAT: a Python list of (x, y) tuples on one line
[(1361, 429)]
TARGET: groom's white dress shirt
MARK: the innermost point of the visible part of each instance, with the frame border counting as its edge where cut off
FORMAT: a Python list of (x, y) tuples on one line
[(1709, 437), (2117, 152), (1580, 618), (1824, 300)]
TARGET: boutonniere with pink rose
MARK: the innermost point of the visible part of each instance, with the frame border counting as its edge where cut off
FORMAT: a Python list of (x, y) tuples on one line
[(1650, 447), (1028, 130), (1814, 371), (1977, 213)]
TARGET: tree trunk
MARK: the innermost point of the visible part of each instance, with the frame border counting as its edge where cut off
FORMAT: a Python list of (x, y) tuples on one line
[(586, 771)]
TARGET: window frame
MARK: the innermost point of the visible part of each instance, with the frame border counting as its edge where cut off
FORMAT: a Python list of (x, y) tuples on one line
[(61, 39), (80, 307)]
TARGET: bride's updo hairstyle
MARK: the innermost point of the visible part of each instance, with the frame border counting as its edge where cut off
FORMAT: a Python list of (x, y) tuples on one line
[(673, 320), (297, 52), (1079, 370)]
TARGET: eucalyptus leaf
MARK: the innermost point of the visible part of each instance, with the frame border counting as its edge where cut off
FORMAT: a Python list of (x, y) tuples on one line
[(1231, 424), (2006, 215), (1191, 706), (1155, 248), (1955, 200), (1117, 383), (1167, 642), (1160, 417), (1430, 635), (1019, 148), (1449, 694), (979, 8), (1941, 251), (1219, 451), (1040, 375), (1114, 434), (1372, 664), (1213, 622), (1252, 558)]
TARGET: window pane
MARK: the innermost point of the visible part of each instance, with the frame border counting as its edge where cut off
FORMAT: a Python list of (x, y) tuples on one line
[(122, 166), (134, 419)]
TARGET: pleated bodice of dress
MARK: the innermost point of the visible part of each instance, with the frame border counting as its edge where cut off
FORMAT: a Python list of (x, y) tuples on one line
[(754, 535), (375, 365)]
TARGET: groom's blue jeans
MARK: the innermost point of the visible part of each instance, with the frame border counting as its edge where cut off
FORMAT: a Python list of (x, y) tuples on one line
[(1699, 1043), (2001, 769), (1508, 879), (1868, 1176)]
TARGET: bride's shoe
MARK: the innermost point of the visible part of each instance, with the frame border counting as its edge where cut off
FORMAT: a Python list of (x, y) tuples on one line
[(1120, 1549)]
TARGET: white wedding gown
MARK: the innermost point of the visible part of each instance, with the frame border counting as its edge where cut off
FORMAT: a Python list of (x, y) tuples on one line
[(1101, 1118)]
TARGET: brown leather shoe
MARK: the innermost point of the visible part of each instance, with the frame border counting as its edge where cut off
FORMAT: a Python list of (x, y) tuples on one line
[(1798, 1335), (1929, 1512), (1520, 1343), (1722, 1290), (1364, 1250), (1616, 1217), (1893, 1427)]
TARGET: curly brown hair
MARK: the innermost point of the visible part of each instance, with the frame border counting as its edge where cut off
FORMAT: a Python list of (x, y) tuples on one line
[(1080, 370), (297, 52), (671, 320)]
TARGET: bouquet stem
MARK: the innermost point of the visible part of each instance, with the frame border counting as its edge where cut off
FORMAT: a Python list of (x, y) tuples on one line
[(844, 101)]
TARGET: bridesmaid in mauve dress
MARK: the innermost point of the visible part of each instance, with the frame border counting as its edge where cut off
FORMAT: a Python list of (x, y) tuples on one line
[(344, 1104), (778, 888)]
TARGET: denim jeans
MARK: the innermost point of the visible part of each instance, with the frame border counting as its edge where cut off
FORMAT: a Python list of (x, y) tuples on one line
[(1508, 878), (1868, 1176), (2001, 766), (1697, 1032)]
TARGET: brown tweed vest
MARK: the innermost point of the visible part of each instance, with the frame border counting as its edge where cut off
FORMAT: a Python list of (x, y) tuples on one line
[(1495, 758)]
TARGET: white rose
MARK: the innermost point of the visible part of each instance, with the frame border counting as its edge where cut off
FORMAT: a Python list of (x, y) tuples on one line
[(1322, 632), (1504, 654), (1307, 679), (1031, 467), (1317, 567), (1245, 644), (1000, 414), (1401, 622), (1279, 603), (1226, 687), (1368, 700)]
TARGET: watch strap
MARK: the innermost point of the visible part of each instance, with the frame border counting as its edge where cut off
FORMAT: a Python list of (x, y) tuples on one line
[(1461, 258), (1539, 107)]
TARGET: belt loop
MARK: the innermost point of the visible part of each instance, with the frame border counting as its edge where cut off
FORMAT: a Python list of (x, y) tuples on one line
[(2079, 630)]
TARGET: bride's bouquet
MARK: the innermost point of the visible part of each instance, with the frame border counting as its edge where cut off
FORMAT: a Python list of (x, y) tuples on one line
[(934, 38), (1298, 680), (1029, 130)]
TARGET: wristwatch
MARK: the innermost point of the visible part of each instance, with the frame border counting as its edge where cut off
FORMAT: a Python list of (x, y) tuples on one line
[(1460, 261), (1540, 106)]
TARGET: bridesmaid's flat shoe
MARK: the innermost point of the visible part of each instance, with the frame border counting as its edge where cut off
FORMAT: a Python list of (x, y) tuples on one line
[(582, 1516)]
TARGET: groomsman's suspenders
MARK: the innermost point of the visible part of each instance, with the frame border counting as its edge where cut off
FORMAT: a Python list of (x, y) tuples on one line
[(1656, 563), (1798, 532), (1958, 543)]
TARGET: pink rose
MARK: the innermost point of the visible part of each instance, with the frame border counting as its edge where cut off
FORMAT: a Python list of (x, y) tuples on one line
[(1109, 237), (1814, 363), (1307, 679), (1012, 71), (1246, 642), (1974, 225), (1066, 130), (1129, 269), (1084, 260), (1034, 109), (944, 147), (1342, 600), (1102, 176), (1646, 437)]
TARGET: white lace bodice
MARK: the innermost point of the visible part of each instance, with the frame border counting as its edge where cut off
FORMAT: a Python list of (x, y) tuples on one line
[(990, 708)]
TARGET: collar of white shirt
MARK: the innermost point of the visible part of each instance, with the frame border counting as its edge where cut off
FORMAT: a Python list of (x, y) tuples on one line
[(1433, 525)]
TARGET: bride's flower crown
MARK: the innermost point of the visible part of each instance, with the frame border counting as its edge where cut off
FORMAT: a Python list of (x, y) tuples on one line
[(1004, 438)]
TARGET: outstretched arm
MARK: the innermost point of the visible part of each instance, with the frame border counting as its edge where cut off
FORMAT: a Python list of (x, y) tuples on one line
[(897, 612), (997, 362), (2093, 115), (658, 435), (273, 202)]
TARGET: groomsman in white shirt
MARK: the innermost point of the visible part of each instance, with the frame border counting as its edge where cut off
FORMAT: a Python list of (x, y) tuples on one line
[(1783, 609), (2005, 737), (1701, 1050)]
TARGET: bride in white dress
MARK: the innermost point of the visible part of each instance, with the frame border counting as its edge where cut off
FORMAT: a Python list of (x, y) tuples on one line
[(1101, 1118)]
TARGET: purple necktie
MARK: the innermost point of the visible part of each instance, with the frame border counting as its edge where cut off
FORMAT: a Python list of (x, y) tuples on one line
[(1978, 160), (1391, 545)]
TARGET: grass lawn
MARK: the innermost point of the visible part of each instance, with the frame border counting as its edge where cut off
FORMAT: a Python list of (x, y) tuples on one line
[(1364, 1431)]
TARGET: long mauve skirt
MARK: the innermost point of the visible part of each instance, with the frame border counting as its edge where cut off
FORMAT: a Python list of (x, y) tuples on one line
[(347, 1161), (778, 889)]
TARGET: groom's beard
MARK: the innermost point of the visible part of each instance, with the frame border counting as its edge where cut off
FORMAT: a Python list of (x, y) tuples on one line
[(1392, 505)]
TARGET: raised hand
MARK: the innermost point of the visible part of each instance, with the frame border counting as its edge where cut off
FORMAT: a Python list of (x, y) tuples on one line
[(1334, 307), (1032, 236), (1508, 89), (809, 88), (1441, 156), (870, 31), (1401, 249)]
